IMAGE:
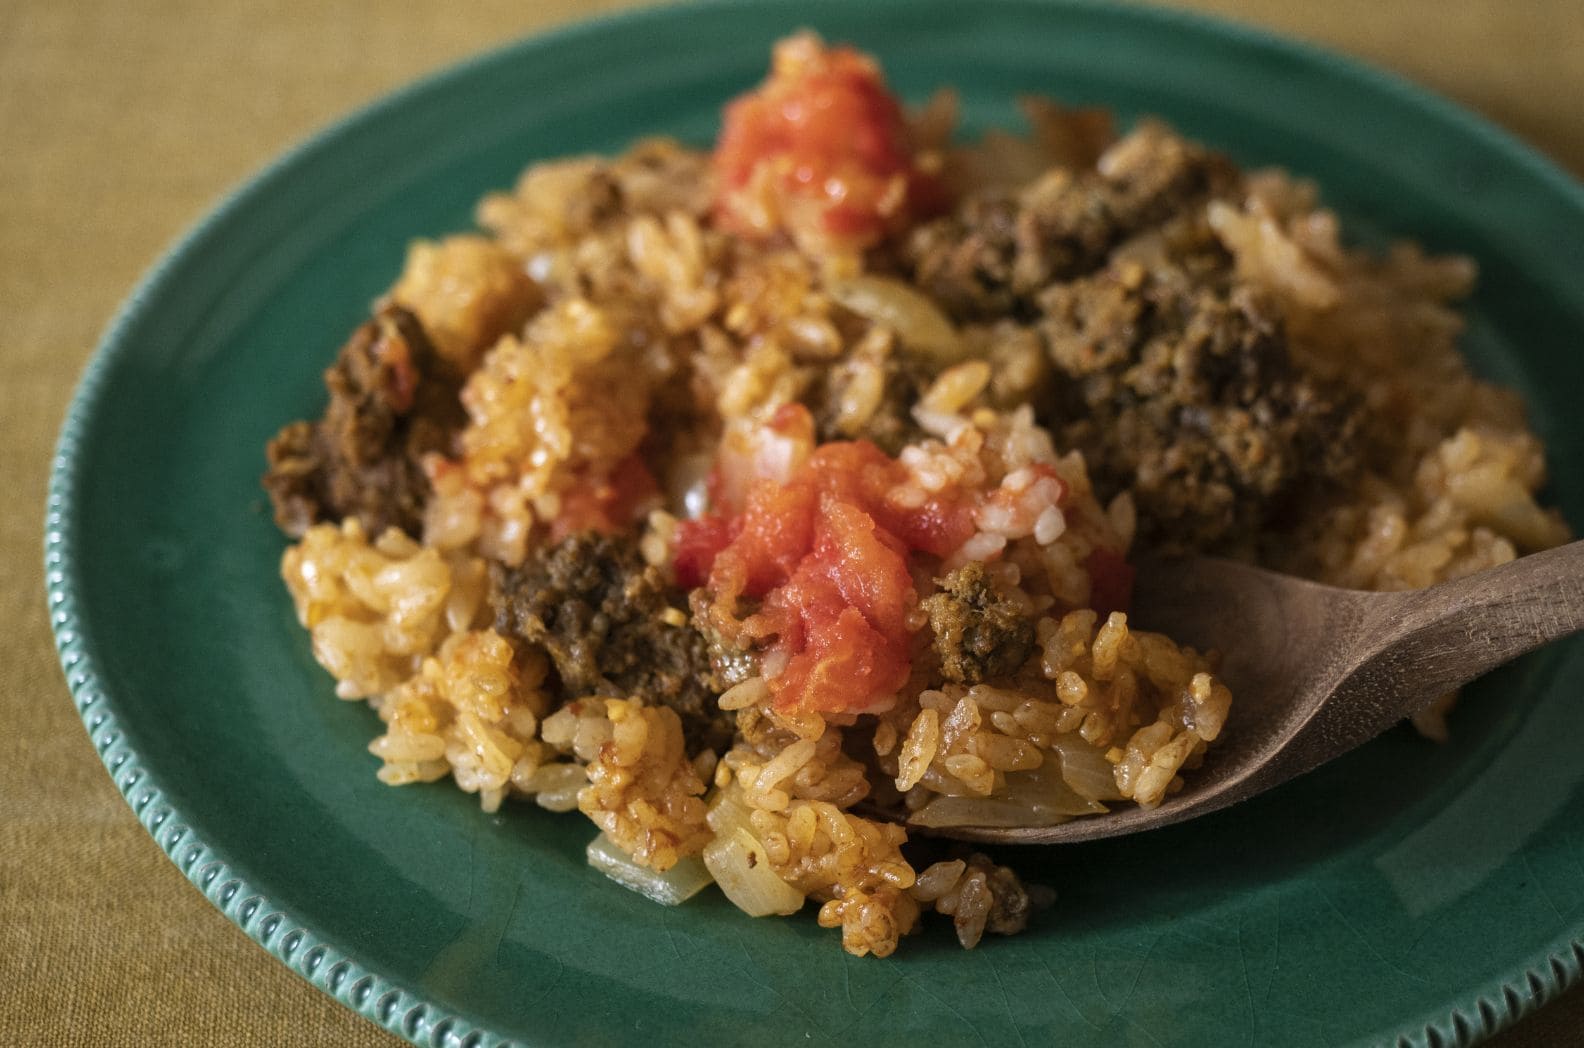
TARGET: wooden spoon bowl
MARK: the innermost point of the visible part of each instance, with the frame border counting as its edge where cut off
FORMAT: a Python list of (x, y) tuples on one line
[(1315, 671)]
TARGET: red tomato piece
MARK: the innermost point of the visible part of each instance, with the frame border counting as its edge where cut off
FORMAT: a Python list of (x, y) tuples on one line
[(698, 543), (827, 550), (773, 534), (820, 150)]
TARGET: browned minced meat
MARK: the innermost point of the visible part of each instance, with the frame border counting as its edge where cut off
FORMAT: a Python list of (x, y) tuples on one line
[(1173, 379), (730, 661), (978, 634), (595, 607), (392, 401), (1178, 387), (999, 251)]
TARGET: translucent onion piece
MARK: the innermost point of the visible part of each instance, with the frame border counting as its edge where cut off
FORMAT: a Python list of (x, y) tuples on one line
[(918, 322), (946, 812), (1086, 770), (1044, 787), (728, 811), (744, 873), (1040, 797), (678, 884)]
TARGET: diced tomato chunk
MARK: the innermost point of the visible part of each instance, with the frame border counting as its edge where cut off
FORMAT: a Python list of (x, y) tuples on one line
[(698, 543), (845, 666), (842, 616), (820, 150), (827, 551), (772, 536)]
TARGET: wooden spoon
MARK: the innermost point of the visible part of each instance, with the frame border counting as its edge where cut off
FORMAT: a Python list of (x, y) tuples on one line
[(1315, 671)]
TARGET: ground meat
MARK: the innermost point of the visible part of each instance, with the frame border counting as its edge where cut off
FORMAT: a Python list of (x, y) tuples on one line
[(1175, 382), (978, 634), (611, 626), (392, 401), (1177, 386), (730, 663), (999, 251)]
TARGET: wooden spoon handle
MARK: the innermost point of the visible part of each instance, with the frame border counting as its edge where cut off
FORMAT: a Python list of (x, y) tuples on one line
[(1438, 639), (1405, 650)]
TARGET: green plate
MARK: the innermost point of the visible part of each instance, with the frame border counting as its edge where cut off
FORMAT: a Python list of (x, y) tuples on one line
[(1409, 893)]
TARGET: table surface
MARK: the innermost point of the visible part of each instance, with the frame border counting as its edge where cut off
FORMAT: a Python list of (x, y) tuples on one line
[(121, 124)]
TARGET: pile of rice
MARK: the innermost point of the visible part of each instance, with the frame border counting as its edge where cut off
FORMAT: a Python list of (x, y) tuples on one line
[(605, 300)]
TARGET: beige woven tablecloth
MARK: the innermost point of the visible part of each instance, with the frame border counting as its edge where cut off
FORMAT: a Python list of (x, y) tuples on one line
[(120, 122)]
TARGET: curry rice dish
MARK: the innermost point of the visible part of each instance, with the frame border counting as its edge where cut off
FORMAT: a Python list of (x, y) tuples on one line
[(712, 493)]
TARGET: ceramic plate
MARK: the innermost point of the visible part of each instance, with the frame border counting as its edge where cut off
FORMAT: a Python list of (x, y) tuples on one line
[(1410, 893)]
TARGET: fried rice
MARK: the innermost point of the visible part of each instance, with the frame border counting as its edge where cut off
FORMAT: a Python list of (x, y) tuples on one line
[(779, 485)]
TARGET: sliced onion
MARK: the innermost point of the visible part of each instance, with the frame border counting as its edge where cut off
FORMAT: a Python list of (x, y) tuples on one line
[(728, 811), (676, 885), (739, 864), (1085, 769), (946, 812), (919, 324), (1040, 797), (1044, 787)]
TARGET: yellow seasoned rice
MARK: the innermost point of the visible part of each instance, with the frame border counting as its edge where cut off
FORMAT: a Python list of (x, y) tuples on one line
[(605, 314)]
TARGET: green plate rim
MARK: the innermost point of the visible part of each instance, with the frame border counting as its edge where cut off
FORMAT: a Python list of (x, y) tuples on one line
[(1473, 1015)]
